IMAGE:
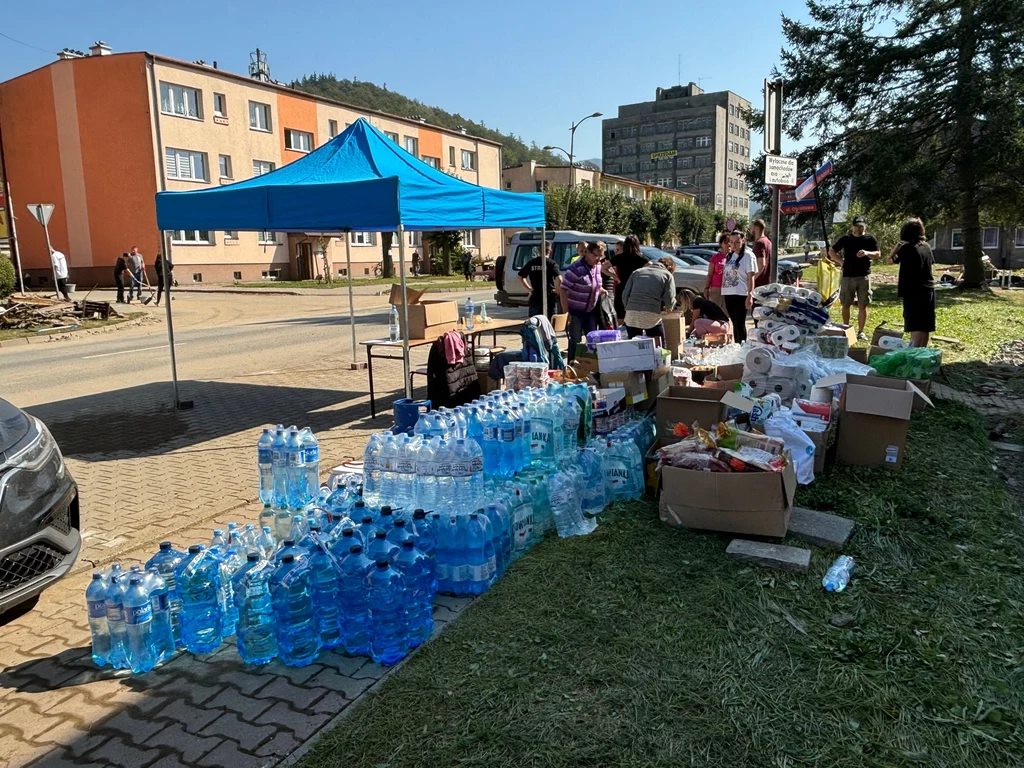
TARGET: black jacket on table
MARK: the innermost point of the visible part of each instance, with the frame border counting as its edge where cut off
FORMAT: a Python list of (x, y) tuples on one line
[(450, 385)]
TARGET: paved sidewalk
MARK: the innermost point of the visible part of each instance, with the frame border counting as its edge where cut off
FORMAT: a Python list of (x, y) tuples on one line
[(1005, 403), (177, 475)]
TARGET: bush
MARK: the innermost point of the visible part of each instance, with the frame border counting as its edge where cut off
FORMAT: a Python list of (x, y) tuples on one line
[(6, 277)]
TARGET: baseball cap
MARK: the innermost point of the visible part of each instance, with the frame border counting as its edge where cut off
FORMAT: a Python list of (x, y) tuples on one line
[(859, 221)]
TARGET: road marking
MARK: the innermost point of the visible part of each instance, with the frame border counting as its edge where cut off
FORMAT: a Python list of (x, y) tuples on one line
[(130, 351)]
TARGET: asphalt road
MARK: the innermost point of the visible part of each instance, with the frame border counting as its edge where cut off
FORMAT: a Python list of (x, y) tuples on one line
[(217, 336)]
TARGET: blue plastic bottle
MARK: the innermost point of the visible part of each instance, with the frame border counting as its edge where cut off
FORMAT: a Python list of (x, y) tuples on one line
[(426, 473), (381, 547), (166, 561), (419, 597), (510, 449), (311, 461), (279, 459), (114, 601), (198, 582), (296, 476), (325, 590), (367, 529), (138, 619), (389, 451), (480, 557), (405, 495), (257, 640), (400, 531), (282, 524), (159, 598), (353, 591), (499, 538), (95, 600), (385, 520), (389, 622), (490, 442), (265, 464), (291, 591), (343, 542)]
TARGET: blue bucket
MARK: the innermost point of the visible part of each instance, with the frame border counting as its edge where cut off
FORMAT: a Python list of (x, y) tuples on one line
[(407, 413)]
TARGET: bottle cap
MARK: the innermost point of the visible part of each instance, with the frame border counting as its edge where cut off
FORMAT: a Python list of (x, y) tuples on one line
[(381, 534), (289, 542), (289, 558), (382, 563), (360, 504), (96, 575), (165, 545), (266, 529), (400, 522), (355, 549), (252, 557), (407, 543), (385, 511), (418, 513), (367, 518), (193, 549), (135, 579), (347, 532), (218, 532)]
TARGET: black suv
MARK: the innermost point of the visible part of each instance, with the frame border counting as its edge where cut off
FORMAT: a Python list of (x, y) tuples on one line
[(39, 538)]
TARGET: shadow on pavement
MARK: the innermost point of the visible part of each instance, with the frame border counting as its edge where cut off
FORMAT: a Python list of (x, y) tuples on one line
[(140, 421)]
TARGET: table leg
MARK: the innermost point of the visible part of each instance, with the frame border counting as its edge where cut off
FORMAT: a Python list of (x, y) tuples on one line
[(369, 371)]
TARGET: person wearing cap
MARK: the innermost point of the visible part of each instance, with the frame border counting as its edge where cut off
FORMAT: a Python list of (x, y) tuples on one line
[(854, 253)]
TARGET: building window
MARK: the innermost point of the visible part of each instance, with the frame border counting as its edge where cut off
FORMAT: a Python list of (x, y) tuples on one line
[(957, 239), (220, 105), (665, 182), (611, 152), (186, 165), (611, 169), (197, 277), (685, 143), (647, 146), (259, 117), (1018, 238), (647, 130), (664, 127), (541, 186), (230, 234), (703, 141), (362, 238), (664, 146), (416, 239), (342, 271), (666, 164), (703, 161), (628, 150), (468, 160), (990, 237), (270, 274), (685, 162), (266, 237), (731, 166), (629, 167), (261, 167), (298, 141), (647, 165), (236, 275), (392, 136), (451, 156), (225, 167), (412, 145), (508, 185), (469, 238), (433, 162), (191, 237), (629, 131), (332, 128), (181, 101)]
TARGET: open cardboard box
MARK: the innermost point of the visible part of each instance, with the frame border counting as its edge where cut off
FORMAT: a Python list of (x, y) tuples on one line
[(864, 355), (428, 319), (688, 405), (675, 332), (840, 330)]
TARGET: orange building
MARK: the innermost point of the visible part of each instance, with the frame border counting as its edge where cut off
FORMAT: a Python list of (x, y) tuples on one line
[(99, 135)]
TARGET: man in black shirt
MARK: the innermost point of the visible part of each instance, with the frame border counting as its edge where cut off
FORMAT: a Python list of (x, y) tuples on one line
[(531, 278), (857, 249)]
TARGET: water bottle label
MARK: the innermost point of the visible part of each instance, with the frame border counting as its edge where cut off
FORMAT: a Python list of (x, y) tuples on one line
[(425, 467), (169, 580), (264, 456), (477, 464), (160, 602), (114, 613), (138, 614), (295, 459), (443, 570), (616, 474), (525, 426), (479, 572), (508, 435), (97, 609), (540, 438), (279, 457), (370, 464), (311, 454), (460, 573), (406, 466), (459, 469), (490, 433)]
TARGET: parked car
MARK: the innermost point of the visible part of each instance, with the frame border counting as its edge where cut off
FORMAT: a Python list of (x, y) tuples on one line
[(686, 275), (39, 510), (695, 256)]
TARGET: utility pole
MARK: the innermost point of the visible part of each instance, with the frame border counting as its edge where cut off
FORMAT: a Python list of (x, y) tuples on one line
[(773, 146)]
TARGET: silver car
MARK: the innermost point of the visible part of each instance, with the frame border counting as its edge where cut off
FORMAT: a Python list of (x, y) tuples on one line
[(685, 275)]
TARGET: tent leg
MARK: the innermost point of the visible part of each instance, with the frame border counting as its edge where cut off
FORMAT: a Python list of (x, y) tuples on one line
[(355, 365), (405, 311), (544, 268), (179, 404)]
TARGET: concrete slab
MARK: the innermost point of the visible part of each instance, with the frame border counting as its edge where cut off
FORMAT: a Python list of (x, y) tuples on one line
[(1011, 447), (820, 528), (769, 555)]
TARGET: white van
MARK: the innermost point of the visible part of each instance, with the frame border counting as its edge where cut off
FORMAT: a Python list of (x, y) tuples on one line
[(526, 246)]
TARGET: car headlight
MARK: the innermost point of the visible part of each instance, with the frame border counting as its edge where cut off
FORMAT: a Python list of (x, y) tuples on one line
[(41, 450), (32, 456)]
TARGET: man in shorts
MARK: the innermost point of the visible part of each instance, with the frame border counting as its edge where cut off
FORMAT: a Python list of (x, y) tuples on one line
[(855, 252)]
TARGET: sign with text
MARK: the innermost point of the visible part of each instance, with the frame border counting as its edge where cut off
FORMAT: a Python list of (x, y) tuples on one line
[(807, 186), (666, 153), (779, 171), (788, 203)]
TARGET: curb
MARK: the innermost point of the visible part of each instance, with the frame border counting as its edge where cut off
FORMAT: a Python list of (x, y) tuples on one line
[(66, 334)]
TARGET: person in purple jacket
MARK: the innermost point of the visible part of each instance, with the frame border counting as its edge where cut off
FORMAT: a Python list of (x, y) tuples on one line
[(580, 290)]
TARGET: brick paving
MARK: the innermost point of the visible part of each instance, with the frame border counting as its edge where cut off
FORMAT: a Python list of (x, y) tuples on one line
[(1004, 403), (148, 474)]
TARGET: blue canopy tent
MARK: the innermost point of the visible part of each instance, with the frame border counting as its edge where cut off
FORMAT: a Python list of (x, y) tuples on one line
[(358, 181)]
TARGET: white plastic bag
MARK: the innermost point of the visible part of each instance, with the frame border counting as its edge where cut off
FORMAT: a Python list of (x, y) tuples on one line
[(797, 442)]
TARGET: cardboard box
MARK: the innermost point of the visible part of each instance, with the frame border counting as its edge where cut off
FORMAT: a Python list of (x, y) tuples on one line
[(881, 331), (675, 333), (751, 503), (652, 477), (585, 365), (658, 380), (634, 384), (428, 319), (860, 354), (725, 377), (638, 354), (688, 405), (875, 413), (836, 329), (824, 444)]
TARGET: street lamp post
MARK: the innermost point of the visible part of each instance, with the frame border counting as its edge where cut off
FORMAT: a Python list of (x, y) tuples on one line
[(572, 168)]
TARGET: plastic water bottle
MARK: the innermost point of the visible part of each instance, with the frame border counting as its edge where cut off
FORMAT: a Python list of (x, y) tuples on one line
[(616, 470), (565, 506), (406, 485), (445, 494), (230, 561), (113, 599), (266, 517), (265, 544), (342, 544), (138, 619), (509, 450), (425, 535), (353, 590), (296, 485), (474, 424), (522, 522), (838, 574), (265, 462), (475, 459), (291, 592), (594, 498), (166, 561), (419, 581), (480, 557), (497, 516), (218, 542), (388, 470), (426, 479), (279, 460), (389, 622), (325, 591), (198, 582), (400, 531), (468, 313), (394, 331), (311, 457), (367, 530), (385, 521), (95, 600), (542, 426), (371, 470), (462, 472), (490, 443), (257, 640), (159, 598), (379, 547), (461, 422)]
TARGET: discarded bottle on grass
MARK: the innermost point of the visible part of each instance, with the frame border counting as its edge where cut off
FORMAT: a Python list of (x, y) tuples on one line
[(159, 598), (265, 463), (95, 599), (257, 640), (291, 590), (166, 562), (838, 575), (394, 332), (138, 619), (389, 622), (198, 582)]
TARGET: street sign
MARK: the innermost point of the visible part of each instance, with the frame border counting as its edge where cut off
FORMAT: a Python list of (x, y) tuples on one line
[(772, 116), (666, 153), (42, 212), (788, 203), (779, 171), (806, 188)]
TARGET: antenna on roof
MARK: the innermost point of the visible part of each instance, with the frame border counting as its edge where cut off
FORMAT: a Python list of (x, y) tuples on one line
[(258, 67)]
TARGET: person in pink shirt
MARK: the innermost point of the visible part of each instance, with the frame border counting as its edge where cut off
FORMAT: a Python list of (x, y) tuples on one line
[(713, 286)]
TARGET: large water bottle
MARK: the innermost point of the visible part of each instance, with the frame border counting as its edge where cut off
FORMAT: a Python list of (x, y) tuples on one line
[(490, 442), (542, 426), (480, 557), (461, 422), (510, 451), (95, 600), (166, 561), (311, 458), (371, 470), (198, 583), (419, 582), (265, 463), (381, 547), (343, 542), (367, 530), (389, 622), (400, 531), (522, 521), (616, 470), (279, 461), (838, 574), (425, 536), (497, 516), (467, 313), (159, 598), (325, 591), (475, 458), (138, 619), (474, 424), (296, 475), (445, 494), (231, 560), (461, 468), (571, 413), (353, 590), (408, 449), (291, 591), (257, 640), (565, 507), (388, 470), (426, 478), (385, 521), (394, 331), (426, 426)]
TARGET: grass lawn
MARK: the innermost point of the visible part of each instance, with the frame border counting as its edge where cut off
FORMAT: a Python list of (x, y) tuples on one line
[(8, 334), (422, 282)]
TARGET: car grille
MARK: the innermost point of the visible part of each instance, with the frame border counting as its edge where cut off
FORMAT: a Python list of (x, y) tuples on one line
[(27, 563), (59, 518)]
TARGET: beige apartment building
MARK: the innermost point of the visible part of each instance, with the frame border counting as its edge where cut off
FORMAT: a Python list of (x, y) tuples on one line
[(99, 135)]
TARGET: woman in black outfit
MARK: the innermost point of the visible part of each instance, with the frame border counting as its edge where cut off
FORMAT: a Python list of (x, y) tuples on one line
[(916, 286), (119, 269), (626, 263)]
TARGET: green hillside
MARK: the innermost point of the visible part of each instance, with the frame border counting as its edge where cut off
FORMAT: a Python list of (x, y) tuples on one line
[(369, 96)]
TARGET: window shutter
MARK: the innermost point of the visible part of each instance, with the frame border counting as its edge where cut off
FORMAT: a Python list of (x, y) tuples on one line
[(171, 164)]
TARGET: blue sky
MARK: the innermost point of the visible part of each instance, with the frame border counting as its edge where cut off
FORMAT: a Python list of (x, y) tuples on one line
[(530, 68)]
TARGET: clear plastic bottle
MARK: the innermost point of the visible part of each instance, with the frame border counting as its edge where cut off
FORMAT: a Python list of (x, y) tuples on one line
[(257, 640), (343, 542), (114, 602), (380, 547), (266, 517), (291, 592), (353, 590), (266, 543), (138, 619), (417, 574), (479, 554), (371, 470), (445, 479), (475, 483), (311, 460), (394, 330), (265, 463), (838, 574), (367, 530), (297, 491), (522, 521), (388, 470), (399, 532), (166, 561), (405, 497), (490, 442), (95, 600), (159, 598), (198, 582), (389, 622), (282, 524), (279, 458), (468, 312), (426, 477), (325, 591)]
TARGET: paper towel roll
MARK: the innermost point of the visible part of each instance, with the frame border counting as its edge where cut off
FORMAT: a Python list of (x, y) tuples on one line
[(814, 298), (784, 388), (802, 293), (759, 360), (759, 335), (789, 333), (789, 290), (778, 337), (780, 371), (762, 313), (891, 342)]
